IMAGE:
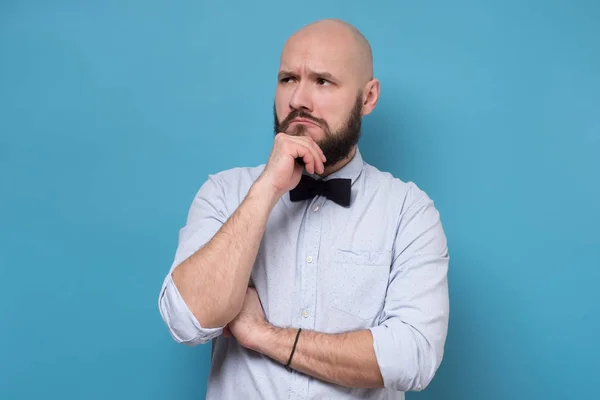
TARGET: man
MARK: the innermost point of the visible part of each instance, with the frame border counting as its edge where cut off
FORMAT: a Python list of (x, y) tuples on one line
[(315, 275)]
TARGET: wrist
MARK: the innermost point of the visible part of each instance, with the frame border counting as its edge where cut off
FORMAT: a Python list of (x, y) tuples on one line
[(266, 338), (265, 191), (277, 343)]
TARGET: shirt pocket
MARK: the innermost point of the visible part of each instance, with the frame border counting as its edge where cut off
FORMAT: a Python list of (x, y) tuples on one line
[(361, 279)]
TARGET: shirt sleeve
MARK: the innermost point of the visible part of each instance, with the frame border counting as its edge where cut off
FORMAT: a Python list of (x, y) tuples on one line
[(206, 215), (409, 340)]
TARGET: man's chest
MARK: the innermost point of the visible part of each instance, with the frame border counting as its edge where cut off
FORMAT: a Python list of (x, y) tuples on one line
[(325, 267)]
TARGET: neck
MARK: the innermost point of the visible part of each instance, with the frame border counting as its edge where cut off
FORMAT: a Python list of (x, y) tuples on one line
[(340, 164)]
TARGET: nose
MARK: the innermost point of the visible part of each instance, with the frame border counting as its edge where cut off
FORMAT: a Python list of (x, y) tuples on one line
[(301, 98)]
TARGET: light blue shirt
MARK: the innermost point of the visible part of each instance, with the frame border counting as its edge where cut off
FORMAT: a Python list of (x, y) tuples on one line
[(380, 264)]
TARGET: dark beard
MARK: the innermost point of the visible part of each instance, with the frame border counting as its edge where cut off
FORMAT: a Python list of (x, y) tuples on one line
[(336, 146)]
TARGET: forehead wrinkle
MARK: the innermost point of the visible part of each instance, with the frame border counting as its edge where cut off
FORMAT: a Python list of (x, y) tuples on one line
[(350, 47), (308, 61)]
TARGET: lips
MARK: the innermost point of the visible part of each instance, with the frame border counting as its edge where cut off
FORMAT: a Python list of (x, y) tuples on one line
[(304, 121)]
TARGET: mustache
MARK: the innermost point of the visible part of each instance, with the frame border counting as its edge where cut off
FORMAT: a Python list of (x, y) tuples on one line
[(304, 115)]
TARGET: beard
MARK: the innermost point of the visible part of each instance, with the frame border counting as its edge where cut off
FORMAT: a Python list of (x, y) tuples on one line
[(335, 145)]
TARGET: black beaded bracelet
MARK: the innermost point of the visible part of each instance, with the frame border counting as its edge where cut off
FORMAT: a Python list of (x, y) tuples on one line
[(287, 366)]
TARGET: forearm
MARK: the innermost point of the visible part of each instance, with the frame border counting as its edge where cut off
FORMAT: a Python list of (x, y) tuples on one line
[(346, 359), (213, 280)]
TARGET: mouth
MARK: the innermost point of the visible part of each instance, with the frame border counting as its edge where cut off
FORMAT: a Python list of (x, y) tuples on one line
[(304, 121)]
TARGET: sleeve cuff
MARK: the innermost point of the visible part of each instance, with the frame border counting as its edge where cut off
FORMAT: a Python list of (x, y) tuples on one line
[(182, 324), (394, 358)]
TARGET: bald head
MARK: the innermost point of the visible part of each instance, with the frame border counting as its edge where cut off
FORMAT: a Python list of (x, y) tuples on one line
[(339, 38), (325, 86)]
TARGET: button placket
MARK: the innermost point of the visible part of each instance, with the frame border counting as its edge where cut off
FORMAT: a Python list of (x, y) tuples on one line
[(312, 238)]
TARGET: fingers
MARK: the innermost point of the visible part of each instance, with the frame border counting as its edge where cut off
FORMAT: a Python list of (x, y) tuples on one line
[(318, 150), (308, 157), (310, 142), (311, 154)]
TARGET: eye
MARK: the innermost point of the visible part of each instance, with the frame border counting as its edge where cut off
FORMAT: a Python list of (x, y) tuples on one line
[(323, 82), (286, 79)]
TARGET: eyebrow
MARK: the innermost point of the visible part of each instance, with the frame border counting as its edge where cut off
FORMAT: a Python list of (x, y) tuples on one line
[(313, 74)]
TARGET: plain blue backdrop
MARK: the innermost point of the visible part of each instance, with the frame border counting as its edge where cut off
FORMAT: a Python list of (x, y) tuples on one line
[(113, 113)]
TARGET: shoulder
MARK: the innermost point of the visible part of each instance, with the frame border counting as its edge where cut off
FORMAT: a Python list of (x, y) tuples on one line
[(229, 187), (235, 178), (411, 211), (404, 195)]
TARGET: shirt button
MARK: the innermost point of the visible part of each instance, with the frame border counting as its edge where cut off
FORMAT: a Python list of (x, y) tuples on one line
[(316, 208), (309, 259), (305, 314)]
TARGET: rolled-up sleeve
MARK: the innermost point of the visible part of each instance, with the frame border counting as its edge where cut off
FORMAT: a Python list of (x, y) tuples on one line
[(206, 215), (410, 338)]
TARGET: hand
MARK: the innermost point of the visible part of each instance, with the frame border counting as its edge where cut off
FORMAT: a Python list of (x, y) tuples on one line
[(282, 172), (250, 324)]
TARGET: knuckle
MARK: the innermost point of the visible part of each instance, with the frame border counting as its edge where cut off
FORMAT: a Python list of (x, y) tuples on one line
[(280, 137)]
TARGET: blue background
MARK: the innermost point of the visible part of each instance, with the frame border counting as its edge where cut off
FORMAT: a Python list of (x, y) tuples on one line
[(113, 113)]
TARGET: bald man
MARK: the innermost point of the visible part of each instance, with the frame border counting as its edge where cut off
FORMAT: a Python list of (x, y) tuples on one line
[(315, 275)]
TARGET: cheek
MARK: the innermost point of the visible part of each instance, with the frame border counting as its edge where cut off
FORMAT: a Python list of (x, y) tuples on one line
[(334, 118), (339, 115), (282, 100), (332, 108)]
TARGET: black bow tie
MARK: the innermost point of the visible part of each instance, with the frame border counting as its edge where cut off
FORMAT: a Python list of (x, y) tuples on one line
[(337, 190)]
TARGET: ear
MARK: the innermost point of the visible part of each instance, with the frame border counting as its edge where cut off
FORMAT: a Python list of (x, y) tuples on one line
[(370, 96)]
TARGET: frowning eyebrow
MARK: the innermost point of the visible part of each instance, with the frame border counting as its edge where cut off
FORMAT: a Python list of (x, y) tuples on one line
[(312, 74)]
